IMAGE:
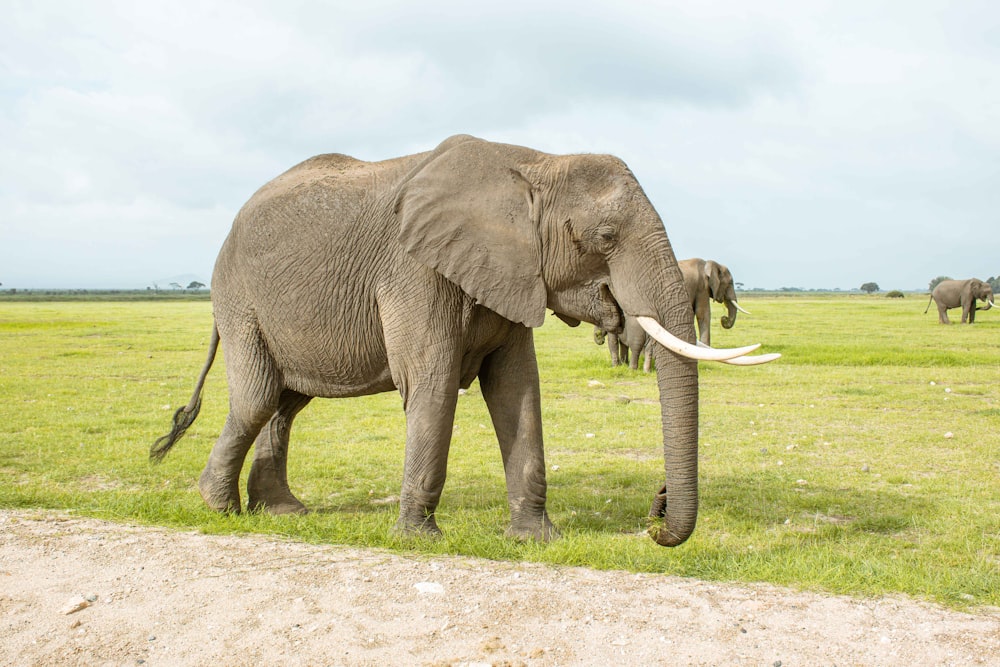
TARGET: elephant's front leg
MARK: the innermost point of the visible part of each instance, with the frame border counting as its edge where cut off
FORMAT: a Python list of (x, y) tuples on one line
[(703, 315), (509, 380), (613, 346), (425, 368), (969, 312), (430, 415)]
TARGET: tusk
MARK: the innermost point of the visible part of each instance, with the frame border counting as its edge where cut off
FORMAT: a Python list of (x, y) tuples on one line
[(740, 308), (749, 360), (685, 349)]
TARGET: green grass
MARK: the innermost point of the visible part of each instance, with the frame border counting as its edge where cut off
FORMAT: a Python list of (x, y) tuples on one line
[(828, 470)]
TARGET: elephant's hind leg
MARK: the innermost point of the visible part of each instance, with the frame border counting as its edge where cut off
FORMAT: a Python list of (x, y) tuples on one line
[(253, 398), (219, 483), (943, 315), (267, 486)]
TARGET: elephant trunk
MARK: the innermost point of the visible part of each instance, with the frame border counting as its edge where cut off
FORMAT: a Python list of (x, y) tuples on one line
[(677, 380), (989, 303), (729, 320), (658, 299), (677, 502)]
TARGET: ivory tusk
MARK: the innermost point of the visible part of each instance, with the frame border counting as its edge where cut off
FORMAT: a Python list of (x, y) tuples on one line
[(685, 349), (753, 360), (740, 308)]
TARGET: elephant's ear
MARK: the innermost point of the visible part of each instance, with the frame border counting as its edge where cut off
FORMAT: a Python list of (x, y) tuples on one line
[(713, 277), (470, 215)]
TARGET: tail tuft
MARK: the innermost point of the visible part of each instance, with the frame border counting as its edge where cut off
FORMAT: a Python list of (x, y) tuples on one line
[(183, 418)]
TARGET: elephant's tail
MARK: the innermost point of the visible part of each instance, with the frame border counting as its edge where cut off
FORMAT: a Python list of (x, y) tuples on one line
[(185, 416), (928, 304)]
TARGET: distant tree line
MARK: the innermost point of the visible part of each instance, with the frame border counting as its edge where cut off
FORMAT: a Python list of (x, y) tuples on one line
[(193, 285)]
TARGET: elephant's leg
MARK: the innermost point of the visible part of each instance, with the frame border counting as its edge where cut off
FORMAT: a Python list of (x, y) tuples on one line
[(430, 415), (647, 363), (943, 314), (267, 487), (219, 481), (705, 325), (426, 371), (509, 381), (633, 362), (613, 346), (253, 399)]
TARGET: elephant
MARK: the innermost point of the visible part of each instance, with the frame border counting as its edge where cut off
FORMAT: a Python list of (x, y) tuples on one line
[(626, 347), (419, 274), (955, 293), (705, 280)]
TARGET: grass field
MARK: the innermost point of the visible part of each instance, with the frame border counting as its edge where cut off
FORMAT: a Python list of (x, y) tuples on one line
[(865, 461)]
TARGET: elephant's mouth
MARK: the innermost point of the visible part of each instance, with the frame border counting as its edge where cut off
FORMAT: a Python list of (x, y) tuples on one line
[(610, 313)]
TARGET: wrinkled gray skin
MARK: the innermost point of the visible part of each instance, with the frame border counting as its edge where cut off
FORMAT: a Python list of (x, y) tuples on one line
[(960, 294), (337, 273), (706, 280)]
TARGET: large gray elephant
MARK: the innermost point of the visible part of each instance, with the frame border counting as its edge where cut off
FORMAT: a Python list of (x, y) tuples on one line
[(707, 280), (345, 278), (960, 293)]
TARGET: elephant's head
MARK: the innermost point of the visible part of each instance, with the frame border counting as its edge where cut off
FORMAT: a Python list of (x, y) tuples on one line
[(982, 291), (522, 231), (722, 288)]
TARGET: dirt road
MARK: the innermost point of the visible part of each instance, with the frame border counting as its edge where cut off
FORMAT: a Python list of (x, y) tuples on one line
[(157, 597)]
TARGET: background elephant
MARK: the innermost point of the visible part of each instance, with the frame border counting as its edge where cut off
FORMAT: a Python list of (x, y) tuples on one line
[(707, 280), (418, 274), (954, 293)]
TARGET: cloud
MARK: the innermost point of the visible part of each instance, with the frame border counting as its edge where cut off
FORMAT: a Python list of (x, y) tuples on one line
[(781, 137)]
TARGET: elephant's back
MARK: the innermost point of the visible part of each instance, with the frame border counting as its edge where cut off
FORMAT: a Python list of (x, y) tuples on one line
[(332, 185), (323, 208)]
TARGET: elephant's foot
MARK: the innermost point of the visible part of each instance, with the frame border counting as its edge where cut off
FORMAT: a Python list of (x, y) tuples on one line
[(220, 494), (267, 488), (416, 524), (539, 529), (283, 504)]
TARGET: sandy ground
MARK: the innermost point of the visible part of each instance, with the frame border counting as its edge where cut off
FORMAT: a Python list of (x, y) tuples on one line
[(158, 597)]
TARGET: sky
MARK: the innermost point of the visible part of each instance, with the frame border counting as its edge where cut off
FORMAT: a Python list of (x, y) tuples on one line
[(818, 145)]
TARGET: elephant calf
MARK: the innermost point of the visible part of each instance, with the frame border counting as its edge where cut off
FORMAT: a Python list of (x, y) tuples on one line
[(705, 280), (626, 347), (960, 293)]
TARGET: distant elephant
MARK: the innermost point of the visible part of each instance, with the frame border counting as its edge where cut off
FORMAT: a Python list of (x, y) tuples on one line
[(419, 274), (706, 280), (960, 293)]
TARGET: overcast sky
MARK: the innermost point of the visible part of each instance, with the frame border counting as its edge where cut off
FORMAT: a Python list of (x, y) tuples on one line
[(804, 144)]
